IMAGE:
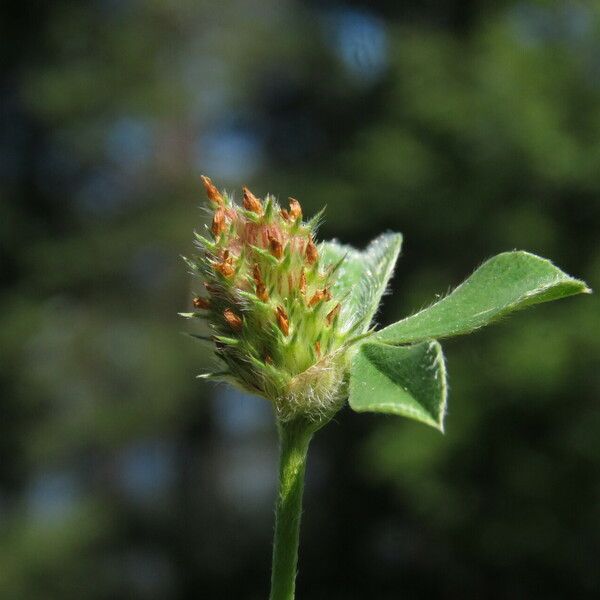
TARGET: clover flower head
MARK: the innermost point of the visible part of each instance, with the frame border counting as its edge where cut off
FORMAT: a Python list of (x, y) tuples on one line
[(273, 303)]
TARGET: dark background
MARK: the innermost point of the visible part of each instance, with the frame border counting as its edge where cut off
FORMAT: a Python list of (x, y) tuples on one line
[(471, 127)]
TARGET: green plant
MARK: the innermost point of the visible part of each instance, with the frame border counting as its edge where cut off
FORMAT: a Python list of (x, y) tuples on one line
[(291, 320)]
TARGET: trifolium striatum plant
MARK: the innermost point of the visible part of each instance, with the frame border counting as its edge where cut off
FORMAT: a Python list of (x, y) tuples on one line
[(290, 320)]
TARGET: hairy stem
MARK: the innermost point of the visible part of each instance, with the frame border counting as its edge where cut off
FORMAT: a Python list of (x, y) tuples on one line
[(294, 439)]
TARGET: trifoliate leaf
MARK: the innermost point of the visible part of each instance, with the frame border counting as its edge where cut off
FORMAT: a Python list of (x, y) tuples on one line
[(363, 276), (409, 381), (505, 283)]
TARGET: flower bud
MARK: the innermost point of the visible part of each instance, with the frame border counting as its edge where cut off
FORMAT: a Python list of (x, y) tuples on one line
[(261, 290), (272, 307), (233, 320), (295, 209), (203, 303), (218, 223), (225, 267), (211, 191), (251, 202), (319, 296), (282, 320), (335, 311), (276, 247), (311, 253)]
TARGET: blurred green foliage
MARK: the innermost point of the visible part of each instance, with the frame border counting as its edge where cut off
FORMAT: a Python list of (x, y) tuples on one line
[(470, 127)]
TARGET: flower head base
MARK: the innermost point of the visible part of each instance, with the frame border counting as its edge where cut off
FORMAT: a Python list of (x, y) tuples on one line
[(272, 304)]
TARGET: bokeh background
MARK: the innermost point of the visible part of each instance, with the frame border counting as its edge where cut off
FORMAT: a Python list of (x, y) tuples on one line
[(471, 127)]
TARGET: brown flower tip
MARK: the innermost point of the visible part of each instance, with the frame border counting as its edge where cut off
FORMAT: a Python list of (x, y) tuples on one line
[(234, 321), (203, 303), (319, 296), (333, 313), (211, 191), (282, 320), (225, 267), (311, 253), (251, 202), (302, 283), (318, 348), (218, 223), (276, 247), (295, 209), (285, 214), (261, 289)]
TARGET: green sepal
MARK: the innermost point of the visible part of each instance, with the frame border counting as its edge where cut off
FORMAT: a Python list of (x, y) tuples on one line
[(193, 265), (265, 254), (408, 381), (193, 315), (204, 242), (197, 336), (218, 376), (268, 208), (228, 341), (250, 297), (505, 283), (248, 214), (315, 222)]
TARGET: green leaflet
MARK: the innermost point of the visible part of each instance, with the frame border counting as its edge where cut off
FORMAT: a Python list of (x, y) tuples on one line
[(409, 381), (507, 282), (363, 276)]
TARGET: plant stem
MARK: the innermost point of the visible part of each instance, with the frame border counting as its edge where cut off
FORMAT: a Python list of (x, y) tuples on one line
[(294, 439)]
